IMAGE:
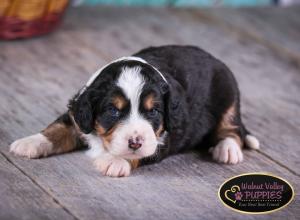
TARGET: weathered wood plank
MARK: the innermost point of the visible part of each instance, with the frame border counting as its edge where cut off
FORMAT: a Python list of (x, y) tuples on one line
[(22, 199), (276, 28), (181, 187)]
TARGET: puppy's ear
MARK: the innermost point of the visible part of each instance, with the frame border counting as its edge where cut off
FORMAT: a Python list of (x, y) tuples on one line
[(82, 110)]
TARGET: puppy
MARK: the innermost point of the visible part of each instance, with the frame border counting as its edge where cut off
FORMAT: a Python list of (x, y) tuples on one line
[(140, 109)]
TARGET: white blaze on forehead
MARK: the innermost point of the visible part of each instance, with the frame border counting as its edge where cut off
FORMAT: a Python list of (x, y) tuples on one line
[(131, 82), (97, 73), (130, 58)]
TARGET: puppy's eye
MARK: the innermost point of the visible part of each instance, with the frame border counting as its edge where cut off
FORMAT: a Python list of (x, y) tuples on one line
[(113, 111), (152, 113)]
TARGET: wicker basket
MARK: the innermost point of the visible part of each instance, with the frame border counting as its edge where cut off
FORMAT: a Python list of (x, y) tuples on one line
[(27, 18)]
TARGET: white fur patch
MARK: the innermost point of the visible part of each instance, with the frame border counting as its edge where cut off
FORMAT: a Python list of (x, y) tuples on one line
[(140, 127), (252, 142), (113, 166), (96, 147), (227, 151), (33, 146), (131, 81)]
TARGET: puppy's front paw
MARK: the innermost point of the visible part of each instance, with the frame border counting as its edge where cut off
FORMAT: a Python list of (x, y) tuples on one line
[(227, 151), (34, 146), (113, 166)]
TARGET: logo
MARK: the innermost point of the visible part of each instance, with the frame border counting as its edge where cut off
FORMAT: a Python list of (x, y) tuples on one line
[(256, 193)]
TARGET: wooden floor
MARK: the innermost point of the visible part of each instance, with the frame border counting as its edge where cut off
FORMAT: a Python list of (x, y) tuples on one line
[(38, 76)]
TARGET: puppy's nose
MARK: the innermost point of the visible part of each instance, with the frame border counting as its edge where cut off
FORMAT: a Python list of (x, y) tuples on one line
[(135, 143)]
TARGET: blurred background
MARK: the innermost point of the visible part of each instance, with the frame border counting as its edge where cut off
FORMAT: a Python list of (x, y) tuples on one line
[(191, 3), (25, 18)]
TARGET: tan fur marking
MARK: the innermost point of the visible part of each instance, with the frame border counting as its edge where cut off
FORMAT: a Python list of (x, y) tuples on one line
[(134, 163), (106, 136), (159, 130), (62, 137), (78, 130), (149, 101), (226, 127), (119, 102)]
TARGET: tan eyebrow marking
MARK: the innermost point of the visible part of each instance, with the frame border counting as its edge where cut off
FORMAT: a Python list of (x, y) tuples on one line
[(150, 101), (159, 130), (119, 102)]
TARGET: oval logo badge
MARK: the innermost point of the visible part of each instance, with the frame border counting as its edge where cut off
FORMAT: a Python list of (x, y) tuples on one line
[(256, 193)]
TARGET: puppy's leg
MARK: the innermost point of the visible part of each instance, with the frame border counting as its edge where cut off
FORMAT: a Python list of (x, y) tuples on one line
[(228, 137), (115, 166), (58, 137)]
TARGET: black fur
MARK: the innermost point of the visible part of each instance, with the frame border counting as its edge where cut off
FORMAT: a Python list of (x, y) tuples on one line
[(201, 89)]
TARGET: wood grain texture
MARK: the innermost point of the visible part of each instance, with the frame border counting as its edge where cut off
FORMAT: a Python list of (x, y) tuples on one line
[(181, 187), (22, 199), (275, 28), (38, 77)]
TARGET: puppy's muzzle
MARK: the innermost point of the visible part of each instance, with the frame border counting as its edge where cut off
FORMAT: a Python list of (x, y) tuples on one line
[(135, 143)]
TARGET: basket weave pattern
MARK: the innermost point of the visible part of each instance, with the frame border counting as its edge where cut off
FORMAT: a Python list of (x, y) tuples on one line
[(27, 18)]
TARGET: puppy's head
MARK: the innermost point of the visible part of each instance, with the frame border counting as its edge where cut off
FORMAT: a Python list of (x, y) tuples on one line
[(124, 106)]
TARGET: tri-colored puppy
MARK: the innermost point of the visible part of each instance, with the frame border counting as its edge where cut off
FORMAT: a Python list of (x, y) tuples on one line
[(142, 108)]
